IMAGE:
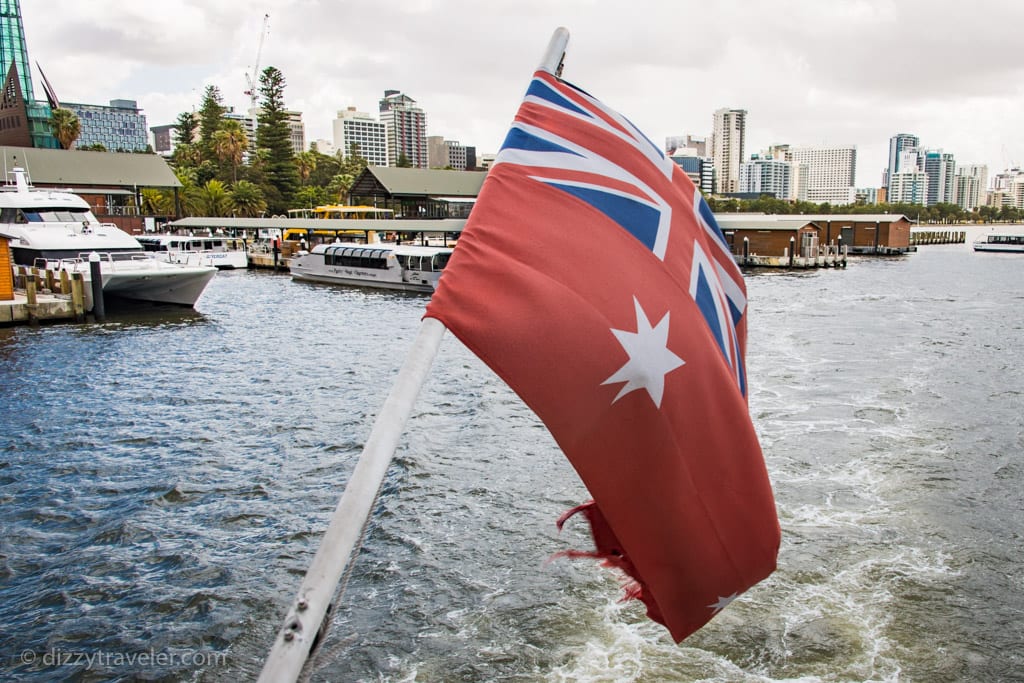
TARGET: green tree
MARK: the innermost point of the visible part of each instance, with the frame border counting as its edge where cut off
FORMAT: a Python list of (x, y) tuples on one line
[(312, 196), (211, 111), (184, 129), (65, 126), (157, 203), (211, 199), (229, 144), (403, 161), (326, 168), (305, 164), (247, 199), (274, 136), (351, 168)]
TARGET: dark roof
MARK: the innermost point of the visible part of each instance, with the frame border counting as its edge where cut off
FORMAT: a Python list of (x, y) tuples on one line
[(78, 169), (389, 181)]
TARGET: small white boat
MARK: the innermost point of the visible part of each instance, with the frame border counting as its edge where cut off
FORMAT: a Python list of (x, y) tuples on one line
[(400, 267), (224, 253), (1001, 242), (57, 230)]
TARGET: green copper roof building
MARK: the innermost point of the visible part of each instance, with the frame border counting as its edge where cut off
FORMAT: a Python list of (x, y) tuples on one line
[(26, 121), (12, 45)]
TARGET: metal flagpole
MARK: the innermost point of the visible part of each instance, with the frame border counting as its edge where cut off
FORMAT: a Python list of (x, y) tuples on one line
[(296, 637)]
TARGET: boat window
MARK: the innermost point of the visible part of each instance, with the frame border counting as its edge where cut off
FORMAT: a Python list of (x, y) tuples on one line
[(441, 260), (355, 258)]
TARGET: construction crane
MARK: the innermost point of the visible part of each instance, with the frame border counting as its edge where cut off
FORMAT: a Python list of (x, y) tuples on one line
[(253, 78)]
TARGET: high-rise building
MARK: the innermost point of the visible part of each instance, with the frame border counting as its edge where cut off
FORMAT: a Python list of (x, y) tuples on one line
[(767, 176), (406, 126), (297, 130), (163, 138), (121, 126), (898, 145), (700, 169), (728, 144), (358, 128), (940, 168), (443, 153), (827, 174), (907, 186)]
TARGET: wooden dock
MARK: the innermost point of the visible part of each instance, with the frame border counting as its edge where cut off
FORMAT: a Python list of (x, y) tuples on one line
[(827, 257), (41, 295), (937, 237)]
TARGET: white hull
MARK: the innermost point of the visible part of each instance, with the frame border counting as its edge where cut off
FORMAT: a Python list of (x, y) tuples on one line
[(1005, 248), (361, 280), (182, 288), (148, 279)]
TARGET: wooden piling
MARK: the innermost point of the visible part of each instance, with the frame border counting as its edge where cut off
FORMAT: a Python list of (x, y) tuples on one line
[(31, 301), (78, 297)]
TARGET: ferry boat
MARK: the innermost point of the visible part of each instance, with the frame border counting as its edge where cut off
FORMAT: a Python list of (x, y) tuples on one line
[(57, 230), (1001, 242), (224, 253), (408, 268)]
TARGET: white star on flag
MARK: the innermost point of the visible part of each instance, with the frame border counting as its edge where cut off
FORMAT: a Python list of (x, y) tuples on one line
[(722, 602), (649, 357)]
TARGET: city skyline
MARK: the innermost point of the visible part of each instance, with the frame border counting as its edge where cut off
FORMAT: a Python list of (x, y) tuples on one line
[(467, 66)]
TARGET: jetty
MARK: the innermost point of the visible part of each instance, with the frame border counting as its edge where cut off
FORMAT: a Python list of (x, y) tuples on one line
[(41, 295), (918, 237)]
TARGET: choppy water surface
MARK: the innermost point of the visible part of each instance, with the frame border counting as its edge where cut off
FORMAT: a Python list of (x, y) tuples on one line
[(164, 481)]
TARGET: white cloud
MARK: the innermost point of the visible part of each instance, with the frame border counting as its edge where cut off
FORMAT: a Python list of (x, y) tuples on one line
[(808, 72)]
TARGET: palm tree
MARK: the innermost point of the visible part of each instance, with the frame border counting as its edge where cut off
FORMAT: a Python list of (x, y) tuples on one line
[(211, 199), (248, 199), (65, 126), (305, 162), (157, 203), (229, 144)]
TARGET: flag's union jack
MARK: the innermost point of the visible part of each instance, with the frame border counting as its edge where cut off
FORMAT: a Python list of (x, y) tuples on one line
[(635, 185)]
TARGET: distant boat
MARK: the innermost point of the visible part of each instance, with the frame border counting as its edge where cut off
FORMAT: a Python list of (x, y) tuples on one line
[(224, 253), (401, 267), (1001, 242), (57, 230)]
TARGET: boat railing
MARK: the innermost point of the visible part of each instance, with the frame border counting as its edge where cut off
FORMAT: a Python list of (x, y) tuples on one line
[(187, 257), (114, 261)]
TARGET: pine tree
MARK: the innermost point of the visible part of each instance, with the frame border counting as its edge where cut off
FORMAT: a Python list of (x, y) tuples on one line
[(274, 136), (210, 114)]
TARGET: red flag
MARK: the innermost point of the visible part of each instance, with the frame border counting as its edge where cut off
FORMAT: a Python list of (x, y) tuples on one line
[(592, 278)]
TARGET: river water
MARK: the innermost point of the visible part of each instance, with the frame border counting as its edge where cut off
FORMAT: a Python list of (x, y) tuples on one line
[(165, 479)]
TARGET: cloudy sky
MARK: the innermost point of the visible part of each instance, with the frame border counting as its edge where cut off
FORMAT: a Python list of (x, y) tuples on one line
[(808, 72)]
